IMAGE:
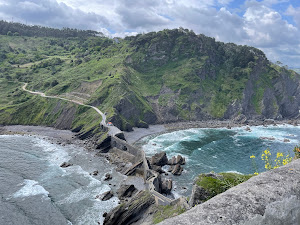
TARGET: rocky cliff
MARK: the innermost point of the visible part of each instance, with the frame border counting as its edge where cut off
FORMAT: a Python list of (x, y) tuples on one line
[(158, 77), (269, 198)]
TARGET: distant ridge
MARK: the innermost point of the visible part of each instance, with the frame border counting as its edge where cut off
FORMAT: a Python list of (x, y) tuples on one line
[(16, 29)]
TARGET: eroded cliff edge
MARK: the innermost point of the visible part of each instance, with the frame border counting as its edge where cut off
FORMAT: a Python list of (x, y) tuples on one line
[(272, 197)]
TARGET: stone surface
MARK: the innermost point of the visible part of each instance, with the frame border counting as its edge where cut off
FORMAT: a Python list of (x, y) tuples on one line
[(106, 195), (66, 164), (198, 196), (172, 161), (270, 198), (166, 186), (126, 191), (130, 212), (180, 160), (108, 177), (159, 159), (177, 170)]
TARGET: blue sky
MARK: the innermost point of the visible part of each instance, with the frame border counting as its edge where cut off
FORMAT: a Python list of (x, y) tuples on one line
[(270, 25)]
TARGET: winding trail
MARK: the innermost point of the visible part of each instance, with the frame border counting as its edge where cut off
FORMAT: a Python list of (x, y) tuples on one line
[(112, 130)]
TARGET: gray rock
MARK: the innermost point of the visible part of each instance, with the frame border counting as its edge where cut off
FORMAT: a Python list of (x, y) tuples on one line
[(106, 196), (66, 164), (198, 196), (159, 159), (126, 191), (177, 170), (166, 186), (131, 211), (180, 160), (172, 161), (108, 177), (271, 198)]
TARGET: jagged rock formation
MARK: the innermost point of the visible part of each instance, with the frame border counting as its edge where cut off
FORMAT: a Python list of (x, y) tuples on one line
[(130, 212), (270, 198)]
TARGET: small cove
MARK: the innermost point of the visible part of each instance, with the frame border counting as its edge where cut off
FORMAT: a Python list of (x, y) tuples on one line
[(220, 149)]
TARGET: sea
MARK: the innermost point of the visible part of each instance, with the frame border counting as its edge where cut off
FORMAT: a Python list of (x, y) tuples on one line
[(34, 189), (220, 150)]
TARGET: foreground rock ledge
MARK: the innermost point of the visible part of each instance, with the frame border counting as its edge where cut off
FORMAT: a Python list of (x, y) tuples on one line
[(271, 198)]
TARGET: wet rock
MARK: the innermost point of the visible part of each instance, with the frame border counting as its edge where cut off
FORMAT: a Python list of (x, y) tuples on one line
[(172, 161), (66, 164), (131, 211), (286, 140), (159, 159), (126, 191), (166, 186), (95, 173), (177, 170), (108, 177), (157, 169), (106, 196), (199, 195), (248, 129), (180, 160)]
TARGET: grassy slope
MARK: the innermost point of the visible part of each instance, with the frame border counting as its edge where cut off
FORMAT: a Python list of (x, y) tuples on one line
[(207, 75)]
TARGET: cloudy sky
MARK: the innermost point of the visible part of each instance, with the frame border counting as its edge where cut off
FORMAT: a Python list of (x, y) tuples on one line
[(270, 25)]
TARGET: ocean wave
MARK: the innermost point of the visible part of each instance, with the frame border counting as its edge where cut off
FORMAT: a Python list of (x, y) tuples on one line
[(31, 188)]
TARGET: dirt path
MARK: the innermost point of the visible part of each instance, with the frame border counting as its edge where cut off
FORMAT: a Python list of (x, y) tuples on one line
[(112, 130)]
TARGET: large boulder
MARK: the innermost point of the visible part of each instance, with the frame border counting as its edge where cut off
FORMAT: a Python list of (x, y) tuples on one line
[(106, 196), (177, 170), (166, 186), (159, 159), (131, 211), (172, 161), (126, 191)]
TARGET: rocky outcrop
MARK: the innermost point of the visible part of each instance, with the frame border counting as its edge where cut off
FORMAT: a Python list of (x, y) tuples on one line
[(176, 160), (166, 186), (107, 177), (106, 196), (65, 165), (159, 159), (177, 170), (126, 191), (272, 197), (130, 212)]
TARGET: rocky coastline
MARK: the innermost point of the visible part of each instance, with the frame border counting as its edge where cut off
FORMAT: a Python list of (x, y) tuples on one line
[(135, 187)]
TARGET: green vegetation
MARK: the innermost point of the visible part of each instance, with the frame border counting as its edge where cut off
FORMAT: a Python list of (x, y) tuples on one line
[(165, 212), (216, 185), (132, 79)]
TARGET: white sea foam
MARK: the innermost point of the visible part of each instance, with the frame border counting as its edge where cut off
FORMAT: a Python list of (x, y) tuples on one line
[(233, 171), (56, 154), (271, 133), (31, 188)]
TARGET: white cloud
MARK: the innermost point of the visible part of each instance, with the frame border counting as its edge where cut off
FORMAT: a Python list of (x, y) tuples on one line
[(259, 26)]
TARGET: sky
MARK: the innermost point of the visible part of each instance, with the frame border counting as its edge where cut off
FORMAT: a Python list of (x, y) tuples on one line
[(270, 25)]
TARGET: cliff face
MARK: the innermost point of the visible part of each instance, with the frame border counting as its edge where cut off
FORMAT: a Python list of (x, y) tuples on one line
[(184, 76), (166, 76), (271, 197)]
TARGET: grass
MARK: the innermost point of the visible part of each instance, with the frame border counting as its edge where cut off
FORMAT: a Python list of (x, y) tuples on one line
[(216, 186), (165, 212)]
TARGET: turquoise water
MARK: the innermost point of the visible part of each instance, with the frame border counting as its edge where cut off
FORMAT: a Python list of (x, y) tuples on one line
[(220, 150)]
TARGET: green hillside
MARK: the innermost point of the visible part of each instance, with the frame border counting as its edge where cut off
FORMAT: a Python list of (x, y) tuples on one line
[(159, 77)]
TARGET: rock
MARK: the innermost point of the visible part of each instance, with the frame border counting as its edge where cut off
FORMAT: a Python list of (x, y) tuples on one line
[(286, 140), (172, 161), (228, 127), (271, 198), (66, 164), (248, 129), (106, 195), (198, 196), (170, 168), (131, 211), (108, 177), (157, 169), (166, 186), (126, 191), (95, 173), (177, 170), (159, 159), (180, 160)]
